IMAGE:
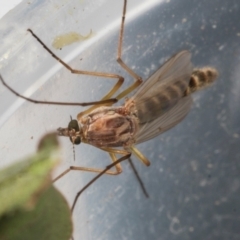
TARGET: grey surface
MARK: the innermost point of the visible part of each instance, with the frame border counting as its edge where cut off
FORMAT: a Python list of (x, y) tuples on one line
[(194, 177)]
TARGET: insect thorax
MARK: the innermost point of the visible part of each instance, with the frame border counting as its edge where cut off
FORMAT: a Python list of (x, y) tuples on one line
[(109, 127)]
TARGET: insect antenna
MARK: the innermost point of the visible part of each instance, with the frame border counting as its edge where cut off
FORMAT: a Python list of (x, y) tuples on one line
[(74, 156)]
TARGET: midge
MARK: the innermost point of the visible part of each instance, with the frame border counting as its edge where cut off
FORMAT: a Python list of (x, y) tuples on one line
[(160, 103)]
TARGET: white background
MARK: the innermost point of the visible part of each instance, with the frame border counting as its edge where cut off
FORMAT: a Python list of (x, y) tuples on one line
[(6, 6)]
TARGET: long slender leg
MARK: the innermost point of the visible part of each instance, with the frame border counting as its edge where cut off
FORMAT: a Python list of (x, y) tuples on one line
[(98, 176), (138, 178), (103, 102), (115, 163), (138, 79), (76, 71), (140, 156), (112, 152)]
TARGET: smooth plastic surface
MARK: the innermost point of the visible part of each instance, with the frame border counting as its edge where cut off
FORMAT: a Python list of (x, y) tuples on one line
[(194, 177)]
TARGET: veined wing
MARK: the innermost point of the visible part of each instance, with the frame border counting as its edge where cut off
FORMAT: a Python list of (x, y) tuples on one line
[(162, 91), (164, 122), (178, 66)]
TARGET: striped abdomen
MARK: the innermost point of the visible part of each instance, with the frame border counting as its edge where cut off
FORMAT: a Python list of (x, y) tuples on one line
[(167, 97), (201, 78), (162, 101)]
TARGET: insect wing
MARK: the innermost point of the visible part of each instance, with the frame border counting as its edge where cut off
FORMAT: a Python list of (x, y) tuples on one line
[(166, 121), (158, 105), (177, 67)]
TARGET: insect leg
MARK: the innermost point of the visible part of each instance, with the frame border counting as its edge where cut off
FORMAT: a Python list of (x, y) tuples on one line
[(53, 102), (140, 156), (76, 71), (138, 178), (112, 152), (123, 158), (105, 100), (138, 79), (115, 151)]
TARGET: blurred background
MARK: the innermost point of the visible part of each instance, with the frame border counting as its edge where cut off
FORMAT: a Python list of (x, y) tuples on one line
[(194, 177)]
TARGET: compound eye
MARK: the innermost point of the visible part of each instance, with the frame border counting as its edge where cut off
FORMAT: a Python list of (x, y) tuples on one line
[(77, 140), (73, 124)]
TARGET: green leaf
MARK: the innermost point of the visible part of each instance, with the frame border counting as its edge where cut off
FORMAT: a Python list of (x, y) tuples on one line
[(22, 182), (50, 219), (30, 207)]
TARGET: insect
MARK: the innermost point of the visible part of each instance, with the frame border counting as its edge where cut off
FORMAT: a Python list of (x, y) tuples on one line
[(160, 103)]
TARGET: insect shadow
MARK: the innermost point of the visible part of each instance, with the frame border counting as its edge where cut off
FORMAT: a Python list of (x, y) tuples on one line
[(160, 103)]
